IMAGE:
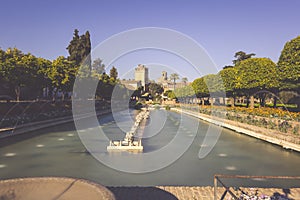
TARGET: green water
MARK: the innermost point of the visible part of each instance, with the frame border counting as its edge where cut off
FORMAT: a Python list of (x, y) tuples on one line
[(58, 151)]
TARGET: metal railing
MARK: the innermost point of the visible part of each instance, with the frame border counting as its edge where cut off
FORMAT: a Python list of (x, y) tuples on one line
[(217, 178)]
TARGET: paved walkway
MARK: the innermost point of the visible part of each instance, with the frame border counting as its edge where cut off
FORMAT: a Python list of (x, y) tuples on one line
[(195, 193)]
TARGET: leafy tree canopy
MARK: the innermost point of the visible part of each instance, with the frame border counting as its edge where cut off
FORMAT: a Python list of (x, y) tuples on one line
[(200, 87), (240, 56), (289, 65), (256, 74), (80, 48), (113, 73), (228, 79), (155, 88), (174, 77), (186, 91), (170, 94), (98, 66)]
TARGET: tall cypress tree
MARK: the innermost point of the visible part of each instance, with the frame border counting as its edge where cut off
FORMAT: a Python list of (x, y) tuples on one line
[(73, 48), (80, 49), (87, 50), (113, 73)]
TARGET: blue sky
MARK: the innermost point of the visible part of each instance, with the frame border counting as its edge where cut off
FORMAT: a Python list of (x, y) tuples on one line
[(45, 28)]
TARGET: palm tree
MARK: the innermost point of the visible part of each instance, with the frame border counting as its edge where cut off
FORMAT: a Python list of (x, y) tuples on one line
[(184, 80), (174, 77)]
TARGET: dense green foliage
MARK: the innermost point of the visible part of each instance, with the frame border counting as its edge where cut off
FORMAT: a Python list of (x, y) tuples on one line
[(19, 70), (27, 77), (184, 80), (289, 65), (186, 91), (240, 56), (200, 87), (247, 78), (256, 74), (62, 74), (98, 67), (254, 77), (228, 76), (155, 89), (113, 73), (80, 49), (170, 94), (174, 77)]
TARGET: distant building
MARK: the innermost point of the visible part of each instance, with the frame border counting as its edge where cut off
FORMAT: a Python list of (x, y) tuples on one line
[(169, 84), (142, 74), (131, 84), (163, 78)]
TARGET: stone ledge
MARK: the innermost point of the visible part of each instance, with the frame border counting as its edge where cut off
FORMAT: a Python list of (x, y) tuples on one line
[(225, 123)]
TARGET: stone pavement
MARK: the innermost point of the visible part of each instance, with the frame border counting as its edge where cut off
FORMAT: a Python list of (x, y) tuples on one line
[(195, 193), (62, 188), (52, 188)]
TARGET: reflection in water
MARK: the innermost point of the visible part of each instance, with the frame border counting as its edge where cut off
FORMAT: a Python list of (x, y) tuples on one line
[(57, 151)]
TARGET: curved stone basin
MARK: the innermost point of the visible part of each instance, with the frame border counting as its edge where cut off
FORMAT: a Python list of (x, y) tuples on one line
[(52, 188)]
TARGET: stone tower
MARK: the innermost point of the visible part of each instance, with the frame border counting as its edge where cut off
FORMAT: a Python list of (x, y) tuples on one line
[(141, 74), (164, 76)]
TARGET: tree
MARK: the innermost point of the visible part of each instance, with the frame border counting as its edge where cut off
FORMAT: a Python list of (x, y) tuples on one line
[(228, 79), (174, 77), (98, 67), (74, 48), (185, 93), (19, 70), (170, 94), (227, 66), (86, 53), (62, 74), (155, 89), (34, 74), (3, 81), (105, 86), (2, 56), (200, 88), (214, 84), (113, 73), (184, 80), (240, 56), (289, 66), (79, 49), (256, 76), (12, 70), (137, 93), (43, 81)]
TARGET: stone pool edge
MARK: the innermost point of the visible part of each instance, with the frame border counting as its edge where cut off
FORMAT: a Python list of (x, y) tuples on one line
[(22, 129), (222, 123)]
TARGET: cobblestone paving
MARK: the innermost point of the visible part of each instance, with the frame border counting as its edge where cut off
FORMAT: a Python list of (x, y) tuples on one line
[(196, 193)]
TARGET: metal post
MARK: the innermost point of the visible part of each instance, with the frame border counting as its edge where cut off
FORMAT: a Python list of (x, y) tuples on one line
[(215, 187)]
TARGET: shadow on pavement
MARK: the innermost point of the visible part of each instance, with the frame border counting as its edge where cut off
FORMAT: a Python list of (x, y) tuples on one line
[(141, 193)]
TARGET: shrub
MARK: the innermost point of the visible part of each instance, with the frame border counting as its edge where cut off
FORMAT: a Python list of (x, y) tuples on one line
[(296, 130), (284, 126)]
